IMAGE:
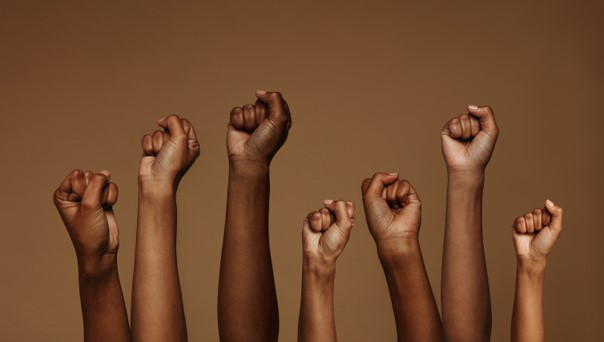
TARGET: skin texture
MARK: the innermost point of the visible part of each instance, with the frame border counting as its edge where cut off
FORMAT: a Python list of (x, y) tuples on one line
[(468, 142), (157, 307), (324, 236), (84, 201), (247, 300), (393, 212), (534, 234)]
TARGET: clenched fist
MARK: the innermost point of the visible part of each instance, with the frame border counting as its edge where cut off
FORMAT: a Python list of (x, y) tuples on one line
[(392, 209), (84, 201), (326, 231), (257, 131), (536, 232), (168, 154), (468, 141)]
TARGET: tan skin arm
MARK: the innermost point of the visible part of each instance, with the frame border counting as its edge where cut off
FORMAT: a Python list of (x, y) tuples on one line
[(157, 305), (468, 142), (324, 237), (247, 299), (534, 234), (393, 212), (84, 201)]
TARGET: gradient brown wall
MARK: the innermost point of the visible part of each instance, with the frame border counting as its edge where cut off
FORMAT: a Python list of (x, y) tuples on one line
[(370, 86)]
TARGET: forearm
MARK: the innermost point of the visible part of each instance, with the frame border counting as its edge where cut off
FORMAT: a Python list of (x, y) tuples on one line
[(527, 317), (317, 322), (247, 300), (415, 310), (103, 308), (465, 288), (157, 307)]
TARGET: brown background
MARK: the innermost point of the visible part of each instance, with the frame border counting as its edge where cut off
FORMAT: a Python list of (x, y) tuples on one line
[(370, 86)]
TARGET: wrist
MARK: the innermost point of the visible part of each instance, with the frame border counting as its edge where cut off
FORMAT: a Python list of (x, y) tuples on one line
[(467, 175), (394, 249), (319, 267), (531, 266), (97, 268), (157, 188), (248, 166)]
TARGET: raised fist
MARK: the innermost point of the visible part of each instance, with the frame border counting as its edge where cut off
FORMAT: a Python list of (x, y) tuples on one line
[(168, 154), (84, 201), (257, 131), (536, 232), (392, 210), (468, 141), (327, 230)]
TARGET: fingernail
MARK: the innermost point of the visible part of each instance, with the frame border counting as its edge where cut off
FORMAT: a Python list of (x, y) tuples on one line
[(549, 204), (472, 107), (328, 201), (393, 173), (260, 92), (160, 120)]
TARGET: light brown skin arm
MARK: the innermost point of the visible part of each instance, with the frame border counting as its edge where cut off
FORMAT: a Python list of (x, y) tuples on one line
[(247, 299), (84, 201), (393, 212), (324, 237), (468, 142), (534, 234), (157, 305)]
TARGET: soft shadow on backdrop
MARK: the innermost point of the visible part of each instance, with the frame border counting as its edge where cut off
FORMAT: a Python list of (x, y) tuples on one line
[(369, 85)]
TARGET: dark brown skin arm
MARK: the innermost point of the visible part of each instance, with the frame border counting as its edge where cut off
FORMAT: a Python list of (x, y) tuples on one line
[(84, 201), (468, 142), (324, 236), (103, 307), (393, 212), (535, 234), (157, 305), (247, 299), (413, 303)]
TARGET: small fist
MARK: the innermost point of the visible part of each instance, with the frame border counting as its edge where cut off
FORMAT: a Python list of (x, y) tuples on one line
[(84, 201), (468, 141), (536, 232), (168, 154), (392, 209), (327, 230), (256, 132)]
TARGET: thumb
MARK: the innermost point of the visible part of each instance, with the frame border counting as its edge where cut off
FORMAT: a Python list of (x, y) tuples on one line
[(173, 124), (556, 212), (373, 187), (486, 116), (277, 107), (342, 214)]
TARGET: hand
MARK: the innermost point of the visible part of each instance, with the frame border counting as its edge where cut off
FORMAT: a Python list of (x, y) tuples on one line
[(84, 201), (168, 154), (256, 132), (468, 141), (392, 210), (536, 232), (326, 231)]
